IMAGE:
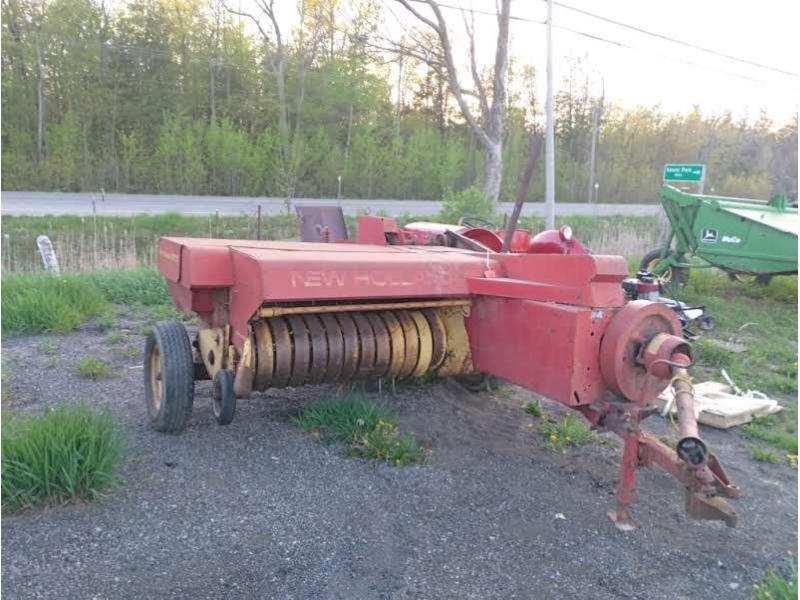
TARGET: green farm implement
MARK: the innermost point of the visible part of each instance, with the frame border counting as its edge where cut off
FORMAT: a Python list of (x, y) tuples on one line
[(745, 238)]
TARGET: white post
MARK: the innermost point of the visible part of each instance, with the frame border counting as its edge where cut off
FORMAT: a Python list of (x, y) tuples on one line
[(550, 159)]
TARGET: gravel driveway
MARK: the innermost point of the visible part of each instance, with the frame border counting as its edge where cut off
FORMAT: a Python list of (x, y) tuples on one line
[(260, 509)]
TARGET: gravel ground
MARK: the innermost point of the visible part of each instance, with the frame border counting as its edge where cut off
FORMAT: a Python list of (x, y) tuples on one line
[(259, 509)]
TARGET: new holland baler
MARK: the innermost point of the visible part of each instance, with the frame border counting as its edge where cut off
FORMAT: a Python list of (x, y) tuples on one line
[(286, 314)]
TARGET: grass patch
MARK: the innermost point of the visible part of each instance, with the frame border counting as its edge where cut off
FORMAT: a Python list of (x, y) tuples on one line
[(134, 286), (115, 337), (44, 303), (778, 430), (47, 347), (367, 429), (534, 408), (67, 454), (127, 352), (764, 455), (776, 587), (569, 431), (93, 368)]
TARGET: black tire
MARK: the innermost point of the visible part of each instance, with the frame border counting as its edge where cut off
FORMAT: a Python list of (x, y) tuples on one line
[(762, 280), (168, 376), (706, 323), (674, 275), (223, 399)]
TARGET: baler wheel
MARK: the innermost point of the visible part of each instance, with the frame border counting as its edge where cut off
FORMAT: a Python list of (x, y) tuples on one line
[(168, 376), (223, 401)]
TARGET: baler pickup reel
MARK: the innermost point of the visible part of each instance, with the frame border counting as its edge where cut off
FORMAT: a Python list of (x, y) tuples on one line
[(549, 317)]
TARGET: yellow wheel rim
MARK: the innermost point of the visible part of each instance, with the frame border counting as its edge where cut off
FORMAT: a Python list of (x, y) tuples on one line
[(155, 377), (666, 276), (745, 277)]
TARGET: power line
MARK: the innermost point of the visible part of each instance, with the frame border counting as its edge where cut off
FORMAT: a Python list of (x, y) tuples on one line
[(628, 46), (617, 43), (676, 40)]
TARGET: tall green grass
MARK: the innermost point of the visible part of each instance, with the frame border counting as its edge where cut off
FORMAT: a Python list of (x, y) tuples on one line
[(67, 454), (42, 303), (135, 286)]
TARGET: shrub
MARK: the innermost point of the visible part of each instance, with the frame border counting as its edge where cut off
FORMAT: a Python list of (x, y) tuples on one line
[(69, 453), (42, 303), (469, 203)]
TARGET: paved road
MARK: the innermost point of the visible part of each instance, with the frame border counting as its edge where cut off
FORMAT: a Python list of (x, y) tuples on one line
[(57, 203)]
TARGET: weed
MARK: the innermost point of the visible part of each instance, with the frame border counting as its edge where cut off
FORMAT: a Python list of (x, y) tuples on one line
[(48, 347), (367, 429), (776, 587), (69, 453), (384, 443), (93, 368), (534, 408), (42, 303), (165, 313), (127, 352), (569, 431), (107, 319), (52, 362), (764, 455), (714, 356), (778, 430), (115, 337)]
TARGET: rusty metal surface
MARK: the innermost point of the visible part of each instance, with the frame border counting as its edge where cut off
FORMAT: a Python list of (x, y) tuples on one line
[(425, 340), (438, 335), (366, 364), (333, 333), (351, 346), (398, 343), (411, 342), (283, 352), (319, 349), (301, 358), (383, 344), (273, 311), (265, 355), (321, 223)]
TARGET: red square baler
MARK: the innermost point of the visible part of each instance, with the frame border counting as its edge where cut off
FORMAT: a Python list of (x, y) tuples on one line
[(277, 314)]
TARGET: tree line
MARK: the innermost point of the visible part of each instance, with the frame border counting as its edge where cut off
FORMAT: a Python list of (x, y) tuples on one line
[(189, 97)]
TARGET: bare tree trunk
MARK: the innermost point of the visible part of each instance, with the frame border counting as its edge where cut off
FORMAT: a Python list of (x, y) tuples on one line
[(39, 104), (494, 170)]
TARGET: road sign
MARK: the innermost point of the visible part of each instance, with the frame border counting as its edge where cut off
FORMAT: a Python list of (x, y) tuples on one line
[(684, 173)]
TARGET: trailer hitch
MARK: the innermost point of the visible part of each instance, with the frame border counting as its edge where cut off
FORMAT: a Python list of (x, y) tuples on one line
[(639, 360)]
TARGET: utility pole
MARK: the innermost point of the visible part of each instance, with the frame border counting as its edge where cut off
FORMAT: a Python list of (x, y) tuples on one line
[(596, 114), (550, 159)]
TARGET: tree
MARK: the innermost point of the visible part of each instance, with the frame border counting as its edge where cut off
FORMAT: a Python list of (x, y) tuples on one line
[(489, 130)]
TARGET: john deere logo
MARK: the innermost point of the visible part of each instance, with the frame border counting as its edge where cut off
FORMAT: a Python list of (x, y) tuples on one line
[(709, 236)]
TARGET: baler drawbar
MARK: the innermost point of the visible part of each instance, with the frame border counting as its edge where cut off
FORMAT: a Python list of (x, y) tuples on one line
[(285, 314)]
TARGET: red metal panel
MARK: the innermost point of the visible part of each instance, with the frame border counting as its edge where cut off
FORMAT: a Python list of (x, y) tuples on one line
[(360, 272), (585, 280), (169, 259), (552, 349)]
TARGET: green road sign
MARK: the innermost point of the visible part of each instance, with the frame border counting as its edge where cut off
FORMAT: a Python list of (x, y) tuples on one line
[(684, 172)]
